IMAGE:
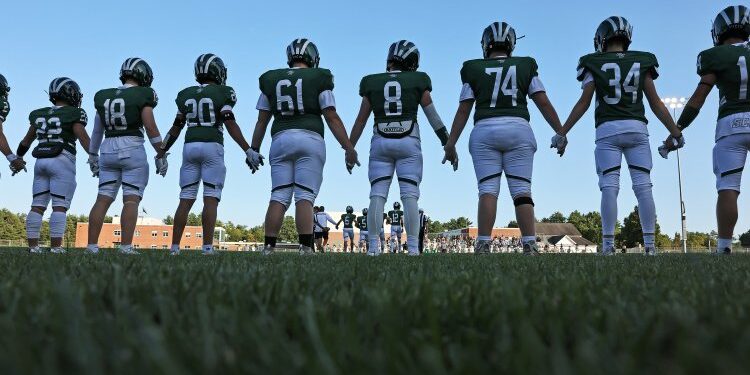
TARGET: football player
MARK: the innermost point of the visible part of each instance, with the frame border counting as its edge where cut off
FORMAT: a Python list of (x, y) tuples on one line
[(725, 66), (348, 219), (122, 113), (206, 109), (16, 164), (56, 128), (361, 223), (620, 79), (502, 139), (395, 97), (395, 218), (297, 97)]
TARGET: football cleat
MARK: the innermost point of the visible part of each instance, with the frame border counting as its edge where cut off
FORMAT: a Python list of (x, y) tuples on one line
[(92, 249), (268, 250), (649, 250), (65, 89), (128, 251), (414, 253), (209, 67), (482, 247), (137, 69), (614, 27), (404, 55), (373, 252), (724, 251), (306, 250), (36, 250), (530, 249), (498, 34), (57, 250), (302, 50), (733, 20), (210, 252), (606, 251)]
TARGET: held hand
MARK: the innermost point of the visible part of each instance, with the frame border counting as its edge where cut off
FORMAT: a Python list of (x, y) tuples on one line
[(560, 142), (451, 156), (16, 166), (254, 159), (93, 163), (161, 164), (352, 159)]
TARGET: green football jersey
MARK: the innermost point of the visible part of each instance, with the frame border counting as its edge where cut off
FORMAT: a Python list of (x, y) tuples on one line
[(618, 78), (202, 106), (729, 64), (362, 223), (120, 109), (293, 95), (348, 220), (55, 125), (396, 217), (4, 108), (500, 85), (395, 96)]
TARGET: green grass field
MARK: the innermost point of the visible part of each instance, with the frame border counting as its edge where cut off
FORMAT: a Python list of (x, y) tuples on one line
[(348, 314)]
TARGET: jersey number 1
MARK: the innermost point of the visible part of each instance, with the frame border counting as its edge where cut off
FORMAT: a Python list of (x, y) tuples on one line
[(114, 114), (287, 99)]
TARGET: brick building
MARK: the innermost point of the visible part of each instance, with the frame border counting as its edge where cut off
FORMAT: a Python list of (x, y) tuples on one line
[(149, 234)]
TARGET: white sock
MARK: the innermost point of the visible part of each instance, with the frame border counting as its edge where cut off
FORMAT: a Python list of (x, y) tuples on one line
[(175, 248), (724, 243), (411, 222), (646, 212), (57, 223), (484, 238), (527, 239), (375, 220), (33, 224), (609, 210)]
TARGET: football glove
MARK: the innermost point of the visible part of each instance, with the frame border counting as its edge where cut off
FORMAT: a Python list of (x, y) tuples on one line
[(161, 164), (670, 145), (560, 142), (254, 159), (93, 163)]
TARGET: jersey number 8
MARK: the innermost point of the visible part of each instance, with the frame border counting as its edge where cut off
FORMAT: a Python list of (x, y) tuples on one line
[(114, 114), (394, 99)]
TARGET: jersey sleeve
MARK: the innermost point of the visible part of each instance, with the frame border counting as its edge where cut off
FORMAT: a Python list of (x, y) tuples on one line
[(705, 64), (80, 116), (653, 66), (467, 92), (150, 98), (363, 87), (230, 98), (326, 80), (426, 84), (582, 69), (4, 109), (535, 83), (180, 104)]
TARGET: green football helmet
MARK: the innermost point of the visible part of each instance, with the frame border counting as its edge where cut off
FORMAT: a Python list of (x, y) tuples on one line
[(4, 88), (302, 50), (65, 89), (611, 28), (210, 67), (364, 211), (137, 69), (498, 34), (405, 54), (349, 209), (396, 205), (733, 20)]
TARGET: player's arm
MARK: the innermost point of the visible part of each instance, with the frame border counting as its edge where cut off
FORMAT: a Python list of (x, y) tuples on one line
[(696, 101), (339, 222), (26, 142), (544, 105), (433, 118), (264, 118), (658, 107), (580, 108), (4, 147), (234, 130), (359, 124), (152, 131), (459, 123), (330, 219), (339, 132), (83, 138), (174, 132)]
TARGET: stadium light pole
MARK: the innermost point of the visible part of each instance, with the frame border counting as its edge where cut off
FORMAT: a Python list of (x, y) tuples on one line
[(676, 104)]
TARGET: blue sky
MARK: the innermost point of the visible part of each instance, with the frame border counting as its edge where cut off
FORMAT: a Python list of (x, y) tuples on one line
[(88, 41)]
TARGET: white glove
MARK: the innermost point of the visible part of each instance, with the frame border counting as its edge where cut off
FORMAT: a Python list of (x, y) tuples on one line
[(94, 164), (560, 142), (254, 159), (676, 143), (161, 165)]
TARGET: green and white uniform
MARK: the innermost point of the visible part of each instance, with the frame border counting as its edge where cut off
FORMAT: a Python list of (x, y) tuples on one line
[(203, 153), (730, 65), (502, 140), (123, 158), (348, 220), (361, 223), (396, 218), (55, 176), (395, 146), (296, 97), (620, 115)]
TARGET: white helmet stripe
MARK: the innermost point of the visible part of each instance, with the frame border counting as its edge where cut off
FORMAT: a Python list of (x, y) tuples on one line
[(197, 62), (134, 63), (494, 30), (612, 22), (622, 24), (724, 15), (736, 14), (208, 63), (506, 30), (303, 48), (407, 53), (61, 84)]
